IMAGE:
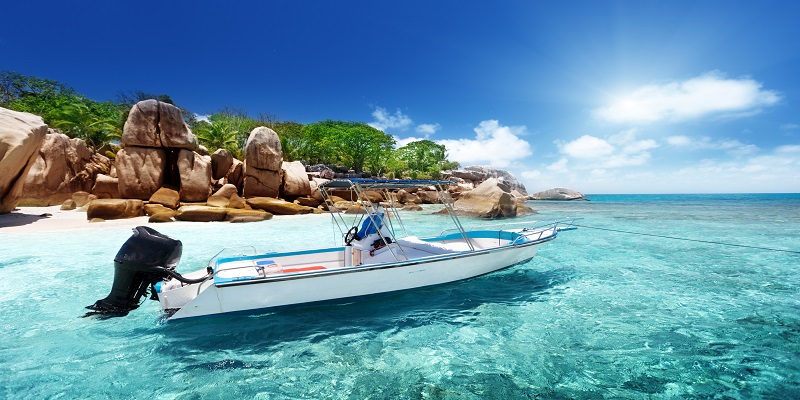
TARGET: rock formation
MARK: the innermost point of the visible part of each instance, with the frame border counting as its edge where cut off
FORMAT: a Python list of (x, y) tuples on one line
[(479, 173), (221, 163), (159, 150), (557, 194), (21, 136), (115, 209), (278, 206), (106, 187), (63, 166), (491, 199), (295, 180), (262, 164), (195, 173)]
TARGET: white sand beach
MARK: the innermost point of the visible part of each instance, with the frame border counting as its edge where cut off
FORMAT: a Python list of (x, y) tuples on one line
[(49, 219)]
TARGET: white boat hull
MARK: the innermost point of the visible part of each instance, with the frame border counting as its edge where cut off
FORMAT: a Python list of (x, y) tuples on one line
[(350, 282)]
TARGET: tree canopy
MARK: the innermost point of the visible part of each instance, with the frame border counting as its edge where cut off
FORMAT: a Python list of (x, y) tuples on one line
[(351, 144)]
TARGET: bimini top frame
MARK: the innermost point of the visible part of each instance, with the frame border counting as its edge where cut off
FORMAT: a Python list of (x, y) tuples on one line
[(360, 186)]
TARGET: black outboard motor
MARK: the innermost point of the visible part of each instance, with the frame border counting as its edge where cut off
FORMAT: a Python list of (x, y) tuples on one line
[(146, 258)]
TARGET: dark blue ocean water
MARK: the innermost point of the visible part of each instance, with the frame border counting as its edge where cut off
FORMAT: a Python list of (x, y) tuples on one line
[(597, 314)]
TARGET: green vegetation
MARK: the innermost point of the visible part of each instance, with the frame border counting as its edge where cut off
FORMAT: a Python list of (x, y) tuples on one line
[(422, 159), (97, 123), (351, 144)]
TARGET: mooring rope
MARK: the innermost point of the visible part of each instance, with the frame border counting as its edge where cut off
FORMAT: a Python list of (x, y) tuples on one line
[(688, 239)]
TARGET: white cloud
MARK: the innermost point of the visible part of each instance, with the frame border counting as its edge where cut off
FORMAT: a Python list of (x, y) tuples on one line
[(402, 142), (587, 146), (679, 141), (384, 120), (732, 146), (534, 174), (202, 117), (789, 127), (559, 166), (773, 172), (494, 144), (427, 129), (708, 94), (788, 149), (620, 150)]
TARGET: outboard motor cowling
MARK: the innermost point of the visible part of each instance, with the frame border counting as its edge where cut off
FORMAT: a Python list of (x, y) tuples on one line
[(146, 257)]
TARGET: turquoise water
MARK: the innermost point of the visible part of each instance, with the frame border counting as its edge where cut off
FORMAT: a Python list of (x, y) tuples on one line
[(595, 315)]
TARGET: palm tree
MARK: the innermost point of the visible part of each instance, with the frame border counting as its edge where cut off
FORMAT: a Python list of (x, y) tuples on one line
[(97, 125), (219, 134)]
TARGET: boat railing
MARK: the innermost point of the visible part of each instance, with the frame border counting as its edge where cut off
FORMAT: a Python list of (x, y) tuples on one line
[(499, 227), (545, 230), (236, 250), (561, 224)]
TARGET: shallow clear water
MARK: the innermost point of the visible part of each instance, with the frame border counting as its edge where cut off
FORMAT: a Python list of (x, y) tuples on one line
[(596, 314)]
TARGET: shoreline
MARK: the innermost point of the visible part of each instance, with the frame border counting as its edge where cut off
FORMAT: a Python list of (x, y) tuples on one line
[(54, 219)]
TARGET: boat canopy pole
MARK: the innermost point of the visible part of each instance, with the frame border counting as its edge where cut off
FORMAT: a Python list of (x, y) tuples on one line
[(372, 213), (447, 200), (335, 212)]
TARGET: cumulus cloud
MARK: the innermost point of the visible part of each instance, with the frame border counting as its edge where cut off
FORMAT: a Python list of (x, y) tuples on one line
[(559, 166), (532, 174), (493, 144), (732, 146), (200, 117), (587, 146), (404, 141), (427, 129), (620, 150), (708, 94), (384, 120), (788, 149), (774, 171)]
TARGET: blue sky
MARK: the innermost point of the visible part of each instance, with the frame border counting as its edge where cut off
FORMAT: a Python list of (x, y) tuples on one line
[(600, 97)]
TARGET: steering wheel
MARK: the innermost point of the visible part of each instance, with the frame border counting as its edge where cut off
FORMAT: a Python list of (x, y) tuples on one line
[(351, 235)]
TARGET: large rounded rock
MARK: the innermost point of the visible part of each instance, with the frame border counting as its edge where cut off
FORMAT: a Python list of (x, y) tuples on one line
[(221, 163), (478, 173), (235, 175), (557, 194), (428, 196), (162, 217), (201, 213), (295, 180), (140, 171), (260, 182), (153, 209), (166, 197), (64, 166), (263, 150), (235, 215), (106, 187), (217, 201), (226, 191), (278, 206), (491, 199), (81, 198), (58, 171), (152, 123), (195, 173), (115, 209), (21, 136), (141, 128)]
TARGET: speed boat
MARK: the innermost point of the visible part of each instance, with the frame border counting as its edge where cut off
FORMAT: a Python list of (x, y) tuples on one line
[(377, 256)]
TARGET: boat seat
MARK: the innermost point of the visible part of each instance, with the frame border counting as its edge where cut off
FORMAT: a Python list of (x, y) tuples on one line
[(429, 247)]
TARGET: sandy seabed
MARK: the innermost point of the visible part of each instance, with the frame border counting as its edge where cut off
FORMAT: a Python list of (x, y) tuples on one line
[(52, 218)]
